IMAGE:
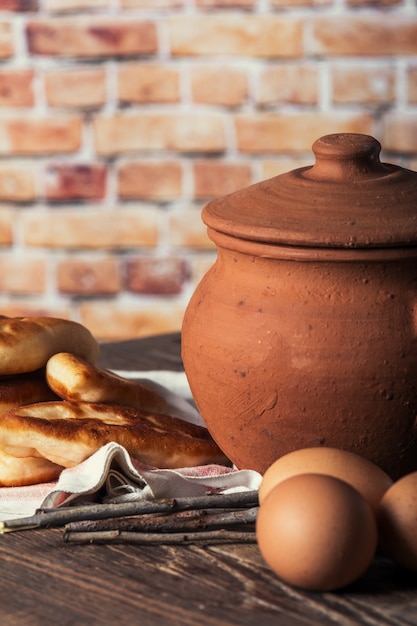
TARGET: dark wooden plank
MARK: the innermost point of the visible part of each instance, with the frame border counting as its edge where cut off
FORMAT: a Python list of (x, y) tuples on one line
[(106, 585), (148, 353), (45, 579)]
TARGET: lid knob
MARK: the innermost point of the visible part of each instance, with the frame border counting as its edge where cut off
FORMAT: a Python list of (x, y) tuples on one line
[(346, 157)]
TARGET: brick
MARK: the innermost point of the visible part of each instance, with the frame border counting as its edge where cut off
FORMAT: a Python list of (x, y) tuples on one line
[(363, 84), (147, 83), (283, 4), (160, 275), (373, 3), (218, 178), (88, 276), (376, 34), (75, 181), (183, 132), (39, 136), (62, 6), (82, 87), (19, 6), (17, 182), (94, 37), (151, 4), (6, 226), (187, 230), (226, 4), (194, 132), (161, 180), (116, 322), (412, 84), (91, 228), (22, 274), (271, 133), (33, 306), (267, 36), (400, 132), (16, 88), (6, 40), (219, 85), (292, 84)]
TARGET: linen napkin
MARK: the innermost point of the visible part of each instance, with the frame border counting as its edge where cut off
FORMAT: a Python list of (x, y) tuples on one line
[(111, 475)]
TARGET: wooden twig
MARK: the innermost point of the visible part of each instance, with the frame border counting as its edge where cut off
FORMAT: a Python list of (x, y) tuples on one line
[(46, 518), (201, 537), (183, 521)]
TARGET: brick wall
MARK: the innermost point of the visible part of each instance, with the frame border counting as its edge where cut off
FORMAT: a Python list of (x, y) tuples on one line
[(120, 119)]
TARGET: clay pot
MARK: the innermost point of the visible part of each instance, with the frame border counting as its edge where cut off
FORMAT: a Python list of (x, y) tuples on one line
[(304, 332)]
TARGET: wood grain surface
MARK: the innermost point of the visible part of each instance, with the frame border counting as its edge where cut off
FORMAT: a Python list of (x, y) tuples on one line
[(47, 582), (160, 352)]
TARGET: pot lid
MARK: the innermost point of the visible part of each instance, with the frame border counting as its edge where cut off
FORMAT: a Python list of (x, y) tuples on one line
[(348, 198)]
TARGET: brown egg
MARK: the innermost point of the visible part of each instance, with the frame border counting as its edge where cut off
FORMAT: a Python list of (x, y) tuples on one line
[(316, 532), (397, 522), (370, 480)]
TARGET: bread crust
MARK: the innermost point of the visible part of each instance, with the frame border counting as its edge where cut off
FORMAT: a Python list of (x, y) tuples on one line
[(74, 379), (19, 472), (26, 343), (24, 389), (67, 433)]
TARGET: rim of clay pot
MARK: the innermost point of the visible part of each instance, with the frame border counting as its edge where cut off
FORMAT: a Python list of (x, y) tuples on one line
[(319, 254), (347, 199)]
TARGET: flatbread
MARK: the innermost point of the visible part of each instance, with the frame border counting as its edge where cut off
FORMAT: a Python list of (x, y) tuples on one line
[(24, 389), (26, 343), (67, 433), (18, 472), (73, 379)]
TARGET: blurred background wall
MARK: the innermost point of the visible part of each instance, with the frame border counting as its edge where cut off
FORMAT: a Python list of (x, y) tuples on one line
[(120, 119)]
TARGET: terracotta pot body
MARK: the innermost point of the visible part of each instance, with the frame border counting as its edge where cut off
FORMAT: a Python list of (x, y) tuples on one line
[(312, 343)]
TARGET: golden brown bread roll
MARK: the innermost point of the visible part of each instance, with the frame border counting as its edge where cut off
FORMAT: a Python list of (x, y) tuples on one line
[(73, 379), (67, 433), (24, 389), (17, 472), (26, 343)]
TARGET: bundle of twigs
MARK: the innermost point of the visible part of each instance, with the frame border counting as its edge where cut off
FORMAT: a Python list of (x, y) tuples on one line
[(214, 518)]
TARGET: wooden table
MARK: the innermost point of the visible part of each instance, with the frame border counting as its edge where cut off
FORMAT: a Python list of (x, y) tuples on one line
[(47, 582)]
